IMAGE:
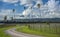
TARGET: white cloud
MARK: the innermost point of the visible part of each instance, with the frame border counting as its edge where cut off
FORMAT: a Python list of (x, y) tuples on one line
[(51, 5), (5, 12), (29, 2), (10, 1), (38, 2), (50, 10), (26, 12), (22, 2), (9, 13), (26, 2)]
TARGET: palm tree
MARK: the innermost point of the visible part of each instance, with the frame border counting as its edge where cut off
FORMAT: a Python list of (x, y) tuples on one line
[(5, 18), (24, 8), (14, 14), (38, 5), (13, 10)]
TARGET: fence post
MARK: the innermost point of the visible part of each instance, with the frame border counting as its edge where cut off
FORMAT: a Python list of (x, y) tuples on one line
[(40, 27), (56, 27)]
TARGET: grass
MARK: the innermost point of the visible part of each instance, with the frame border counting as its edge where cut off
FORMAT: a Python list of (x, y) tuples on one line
[(2, 29), (25, 29)]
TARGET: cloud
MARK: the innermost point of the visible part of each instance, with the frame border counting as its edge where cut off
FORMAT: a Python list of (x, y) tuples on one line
[(52, 8), (29, 2), (49, 10), (38, 2), (5, 12), (9, 13), (27, 12), (51, 5), (10, 1), (22, 2), (26, 2), (35, 11)]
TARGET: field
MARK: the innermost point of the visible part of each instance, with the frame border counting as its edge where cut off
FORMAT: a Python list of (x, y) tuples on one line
[(4, 27), (44, 29), (41, 29)]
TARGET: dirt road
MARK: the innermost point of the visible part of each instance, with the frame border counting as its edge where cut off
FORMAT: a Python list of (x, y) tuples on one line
[(14, 33)]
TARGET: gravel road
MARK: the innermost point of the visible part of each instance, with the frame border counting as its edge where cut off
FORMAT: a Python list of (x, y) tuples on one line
[(14, 33)]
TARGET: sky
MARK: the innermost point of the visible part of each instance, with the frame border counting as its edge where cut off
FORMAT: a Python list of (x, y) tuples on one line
[(6, 7)]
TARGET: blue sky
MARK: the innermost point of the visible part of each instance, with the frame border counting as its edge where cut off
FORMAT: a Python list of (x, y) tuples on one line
[(5, 5), (18, 5), (18, 8)]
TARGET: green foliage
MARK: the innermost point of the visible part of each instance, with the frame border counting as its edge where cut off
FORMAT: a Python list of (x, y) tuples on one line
[(47, 23), (2, 31), (25, 29)]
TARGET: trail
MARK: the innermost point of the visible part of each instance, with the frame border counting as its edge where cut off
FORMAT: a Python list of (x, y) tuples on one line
[(14, 33)]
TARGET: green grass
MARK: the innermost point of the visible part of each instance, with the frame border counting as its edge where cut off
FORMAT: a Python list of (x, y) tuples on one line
[(25, 29), (2, 33)]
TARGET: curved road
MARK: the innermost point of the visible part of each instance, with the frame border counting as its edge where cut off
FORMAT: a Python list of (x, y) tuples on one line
[(14, 33)]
